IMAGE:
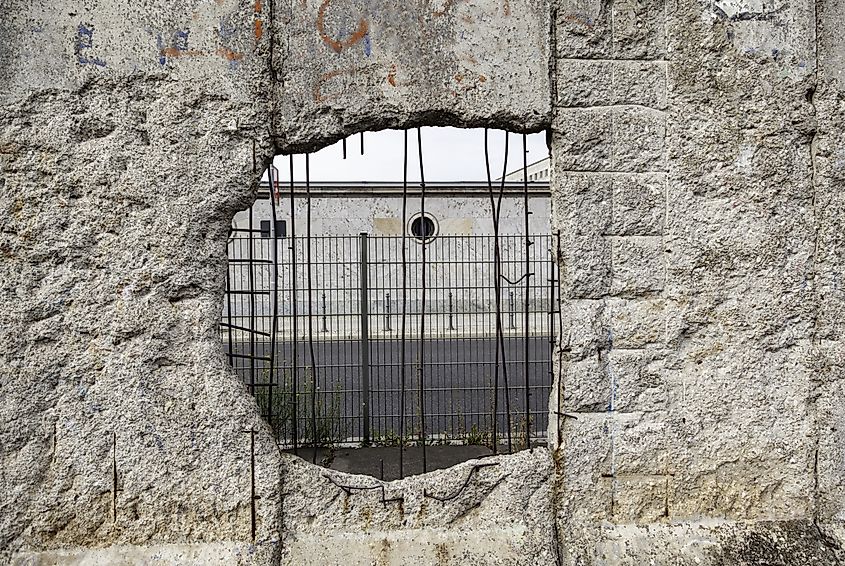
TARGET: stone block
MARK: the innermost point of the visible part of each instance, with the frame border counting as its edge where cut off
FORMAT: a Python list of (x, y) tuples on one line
[(637, 379), (627, 29), (586, 385), (639, 499), (586, 83), (582, 139), (639, 139), (640, 82), (585, 329), (587, 270), (586, 451), (639, 205), (619, 380), (638, 265), (583, 203), (584, 29), (617, 138), (582, 83), (639, 30), (639, 443), (637, 323)]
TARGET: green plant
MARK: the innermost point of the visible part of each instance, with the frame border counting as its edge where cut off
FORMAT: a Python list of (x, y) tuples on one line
[(278, 409)]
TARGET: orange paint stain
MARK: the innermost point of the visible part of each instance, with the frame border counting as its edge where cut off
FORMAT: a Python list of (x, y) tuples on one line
[(259, 29), (258, 6), (174, 53), (229, 55), (337, 45)]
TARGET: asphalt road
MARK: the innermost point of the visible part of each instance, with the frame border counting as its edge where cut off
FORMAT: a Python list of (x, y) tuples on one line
[(457, 378)]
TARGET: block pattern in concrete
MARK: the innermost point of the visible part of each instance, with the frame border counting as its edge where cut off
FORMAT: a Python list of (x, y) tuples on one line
[(697, 149)]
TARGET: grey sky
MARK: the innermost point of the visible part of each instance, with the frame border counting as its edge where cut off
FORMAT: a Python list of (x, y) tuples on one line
[(449, 154)]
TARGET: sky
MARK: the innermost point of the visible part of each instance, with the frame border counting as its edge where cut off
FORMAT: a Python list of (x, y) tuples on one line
[(449, 154)]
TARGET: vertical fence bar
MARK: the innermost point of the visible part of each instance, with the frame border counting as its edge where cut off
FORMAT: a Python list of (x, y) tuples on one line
[(364, 338), (230, 329), (403, 323), (526, 362), (251, 282), (274, 322), (295, 338)]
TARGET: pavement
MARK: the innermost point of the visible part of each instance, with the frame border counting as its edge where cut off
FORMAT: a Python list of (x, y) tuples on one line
[(458, 380)]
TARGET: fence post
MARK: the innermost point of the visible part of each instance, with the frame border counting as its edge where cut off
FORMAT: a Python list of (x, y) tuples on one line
[(364, 338)]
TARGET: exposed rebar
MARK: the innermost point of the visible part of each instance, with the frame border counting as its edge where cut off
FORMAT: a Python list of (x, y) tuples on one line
[(422, 305), (314, 381)]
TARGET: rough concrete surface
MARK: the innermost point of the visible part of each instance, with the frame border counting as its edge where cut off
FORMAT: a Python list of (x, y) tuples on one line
[(699, 187)]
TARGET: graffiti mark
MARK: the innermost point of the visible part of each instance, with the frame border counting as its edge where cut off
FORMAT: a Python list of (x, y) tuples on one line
[(337, 44), (85, 40), (258, 25), (319, 96), (368, 45), (391, 78), (178, 47), (580, 19), (229, 55)]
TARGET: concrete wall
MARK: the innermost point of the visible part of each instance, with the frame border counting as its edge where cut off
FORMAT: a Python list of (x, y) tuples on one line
[(698, 182), (456, 215)]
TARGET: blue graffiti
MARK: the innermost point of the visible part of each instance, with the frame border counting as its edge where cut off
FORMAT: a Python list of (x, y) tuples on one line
[(180, 40), (85, 40), (368, 45)]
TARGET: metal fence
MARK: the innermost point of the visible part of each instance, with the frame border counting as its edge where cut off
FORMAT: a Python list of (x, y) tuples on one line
[(334, 374)]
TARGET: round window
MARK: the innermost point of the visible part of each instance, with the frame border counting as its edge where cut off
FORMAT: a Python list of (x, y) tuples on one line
[(423, 228)]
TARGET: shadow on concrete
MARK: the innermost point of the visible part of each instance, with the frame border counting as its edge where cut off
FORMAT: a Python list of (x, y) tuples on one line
[(383, 462)]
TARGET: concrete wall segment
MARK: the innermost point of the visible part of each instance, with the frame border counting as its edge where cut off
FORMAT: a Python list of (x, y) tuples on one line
[(697, 185)]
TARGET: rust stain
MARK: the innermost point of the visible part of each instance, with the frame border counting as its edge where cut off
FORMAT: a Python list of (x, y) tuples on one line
[(337, 45), (459, 77), (175, 53), (482, 79), (229, 55), (258, 6), (259, 29)]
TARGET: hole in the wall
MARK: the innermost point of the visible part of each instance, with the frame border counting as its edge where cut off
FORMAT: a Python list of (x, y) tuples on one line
[(393, 357)]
